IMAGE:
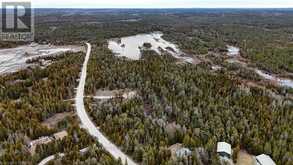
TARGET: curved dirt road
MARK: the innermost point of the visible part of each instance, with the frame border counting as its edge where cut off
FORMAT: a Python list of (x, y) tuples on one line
[(86, 121), (88, 124), (52, 157)]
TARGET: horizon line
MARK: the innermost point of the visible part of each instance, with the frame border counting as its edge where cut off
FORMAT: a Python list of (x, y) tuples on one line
[(162, 8)]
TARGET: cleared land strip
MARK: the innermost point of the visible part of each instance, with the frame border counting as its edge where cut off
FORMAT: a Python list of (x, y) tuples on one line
[(86, 121)]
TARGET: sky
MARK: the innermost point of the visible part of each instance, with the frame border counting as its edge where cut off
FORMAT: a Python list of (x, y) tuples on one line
[(162, 3)]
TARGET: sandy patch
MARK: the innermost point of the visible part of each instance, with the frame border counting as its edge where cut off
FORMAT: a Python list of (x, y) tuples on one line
[(131, 47), (14, 59)]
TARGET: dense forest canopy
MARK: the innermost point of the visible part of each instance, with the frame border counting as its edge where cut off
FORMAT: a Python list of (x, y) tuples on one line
[(264, 35), (31, 96), (206, 107), (175, 103)]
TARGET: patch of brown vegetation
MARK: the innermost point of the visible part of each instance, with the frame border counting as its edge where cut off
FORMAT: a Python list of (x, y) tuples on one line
[(54, 120), (244, 158)]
